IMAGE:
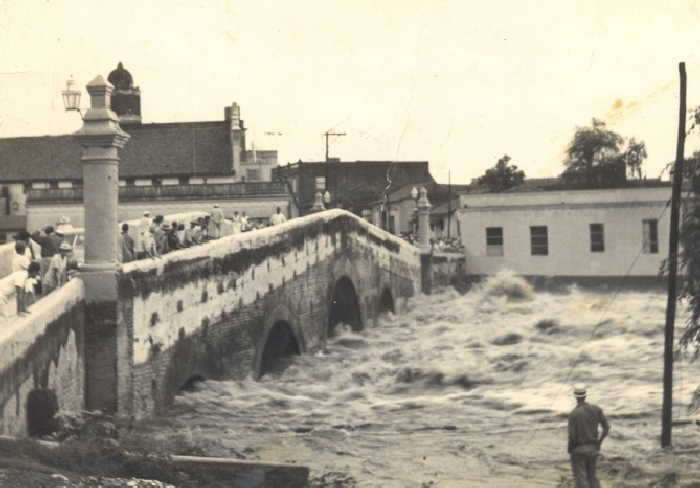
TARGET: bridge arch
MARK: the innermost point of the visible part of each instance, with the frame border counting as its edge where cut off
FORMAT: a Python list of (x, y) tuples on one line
[(280, 340), (386, 302), (344, 306)]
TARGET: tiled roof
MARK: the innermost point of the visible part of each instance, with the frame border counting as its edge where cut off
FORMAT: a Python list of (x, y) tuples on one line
[(189, 148)]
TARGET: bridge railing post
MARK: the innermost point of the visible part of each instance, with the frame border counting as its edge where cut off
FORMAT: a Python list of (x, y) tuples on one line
[(101, 137), (423, 219)]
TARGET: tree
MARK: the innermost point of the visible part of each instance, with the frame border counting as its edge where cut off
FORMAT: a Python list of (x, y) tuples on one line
[(501, 176), (690, 252), (596, 157)]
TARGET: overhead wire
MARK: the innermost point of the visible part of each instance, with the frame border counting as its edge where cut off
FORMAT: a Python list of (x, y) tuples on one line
[(573, 363)]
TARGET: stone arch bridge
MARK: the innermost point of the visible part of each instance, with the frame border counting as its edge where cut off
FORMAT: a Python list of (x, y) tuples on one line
[(128, 341)]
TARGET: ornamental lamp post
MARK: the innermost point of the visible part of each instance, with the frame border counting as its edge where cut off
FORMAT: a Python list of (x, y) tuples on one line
[(71, 97)]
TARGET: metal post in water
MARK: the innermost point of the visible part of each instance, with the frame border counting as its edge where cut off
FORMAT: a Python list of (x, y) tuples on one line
[(666, 410)]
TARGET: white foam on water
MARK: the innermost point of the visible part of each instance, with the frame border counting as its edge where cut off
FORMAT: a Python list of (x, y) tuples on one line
[(456, 368)]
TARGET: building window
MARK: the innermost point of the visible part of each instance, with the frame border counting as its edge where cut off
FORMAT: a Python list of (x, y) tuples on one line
[(130, 182), (320, 183), (53, 185), (183, 180), (597, 238), (494, 241), (539, 243), (650, 236), (157, 182), (252, 175), (293, 183)]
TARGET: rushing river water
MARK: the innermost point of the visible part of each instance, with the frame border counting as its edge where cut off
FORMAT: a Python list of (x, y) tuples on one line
[(463, 390)]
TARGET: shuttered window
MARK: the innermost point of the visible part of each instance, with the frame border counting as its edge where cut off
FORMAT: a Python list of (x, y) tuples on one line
[(539, 242), (597, 238)]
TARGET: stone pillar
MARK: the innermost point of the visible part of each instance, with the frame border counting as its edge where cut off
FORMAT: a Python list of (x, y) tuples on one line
[(18, 199), (376, 216), (101, 137), (318, 203), (423, 219)]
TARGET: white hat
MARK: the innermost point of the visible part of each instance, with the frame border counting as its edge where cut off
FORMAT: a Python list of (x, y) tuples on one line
[(65, 247), (216, 205), (579, 390), (147, 212)]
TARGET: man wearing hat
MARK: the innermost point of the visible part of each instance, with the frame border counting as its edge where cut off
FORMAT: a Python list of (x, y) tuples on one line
[(584, 441), (57, 273)]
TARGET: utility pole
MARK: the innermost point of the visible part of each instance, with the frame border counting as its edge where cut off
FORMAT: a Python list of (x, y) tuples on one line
[(666, 411), (449, 203), (328, 134)]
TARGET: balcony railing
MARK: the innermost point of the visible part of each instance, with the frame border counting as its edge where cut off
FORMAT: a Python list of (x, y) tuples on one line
[(219, 191)]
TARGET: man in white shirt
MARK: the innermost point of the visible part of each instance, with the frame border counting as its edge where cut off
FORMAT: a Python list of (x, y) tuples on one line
[(278, 217), (142, 234), (20, 267), (217, 217)]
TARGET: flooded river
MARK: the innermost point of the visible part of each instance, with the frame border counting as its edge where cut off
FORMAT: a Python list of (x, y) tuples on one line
[(464, 390)]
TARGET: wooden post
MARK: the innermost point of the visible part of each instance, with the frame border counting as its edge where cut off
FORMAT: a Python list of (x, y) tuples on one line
[(449, 203), (666, 410)]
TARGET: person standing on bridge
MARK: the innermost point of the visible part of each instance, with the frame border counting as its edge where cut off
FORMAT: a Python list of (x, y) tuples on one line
[(57, 274), (278, 217), (142, 236), (584, 441), (217, 218), (125, 244), (20, 267)]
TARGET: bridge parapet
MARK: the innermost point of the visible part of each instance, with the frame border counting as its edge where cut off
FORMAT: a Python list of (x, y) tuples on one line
[(43, 351)]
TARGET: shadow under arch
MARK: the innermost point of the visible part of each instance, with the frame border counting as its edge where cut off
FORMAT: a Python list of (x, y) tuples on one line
[(191, 382), (386, 302), (344, 306), (280, 340), (280, 346)]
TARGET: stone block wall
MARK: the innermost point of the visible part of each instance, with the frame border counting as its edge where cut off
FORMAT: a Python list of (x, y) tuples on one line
[(206, 311), (43, 350)]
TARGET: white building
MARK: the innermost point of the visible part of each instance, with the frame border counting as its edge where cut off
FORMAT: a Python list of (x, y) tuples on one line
[(570, 233)]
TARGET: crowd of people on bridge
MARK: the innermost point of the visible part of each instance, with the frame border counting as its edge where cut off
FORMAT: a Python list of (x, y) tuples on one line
[(43, 261), (40, 264), (156, 237)]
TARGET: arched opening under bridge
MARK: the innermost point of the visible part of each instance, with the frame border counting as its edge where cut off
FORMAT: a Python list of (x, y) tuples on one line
[(280, 347), (344, 306), (386, 302)]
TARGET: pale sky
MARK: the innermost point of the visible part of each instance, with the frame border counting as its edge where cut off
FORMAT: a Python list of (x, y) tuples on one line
[(457, 83)]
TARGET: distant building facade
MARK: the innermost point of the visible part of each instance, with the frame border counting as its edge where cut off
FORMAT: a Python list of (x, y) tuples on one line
[(567, 233), (157, 155), (354, 186), (397, 213)]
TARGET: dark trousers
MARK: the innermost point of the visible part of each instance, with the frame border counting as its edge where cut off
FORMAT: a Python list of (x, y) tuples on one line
[(583, 465), (21, 301)]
